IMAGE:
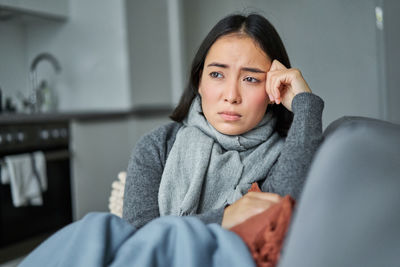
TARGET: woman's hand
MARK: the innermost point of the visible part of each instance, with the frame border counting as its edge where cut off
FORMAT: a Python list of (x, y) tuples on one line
[(284, 84), (247, 206)]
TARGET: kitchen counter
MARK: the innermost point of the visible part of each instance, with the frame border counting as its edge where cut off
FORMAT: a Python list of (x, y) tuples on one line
[(140, 112)]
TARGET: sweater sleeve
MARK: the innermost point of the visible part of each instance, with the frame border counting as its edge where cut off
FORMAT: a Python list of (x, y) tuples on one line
[(144, 174), (288, 174)]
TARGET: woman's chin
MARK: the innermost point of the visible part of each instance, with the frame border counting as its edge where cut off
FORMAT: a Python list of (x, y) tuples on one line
[(231, 129)]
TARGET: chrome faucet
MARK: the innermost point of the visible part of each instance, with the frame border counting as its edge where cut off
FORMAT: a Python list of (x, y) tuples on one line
[(36, 98)]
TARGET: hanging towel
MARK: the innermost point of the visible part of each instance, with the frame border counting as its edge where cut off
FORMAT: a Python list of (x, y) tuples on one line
[(28, 178), (39, 167), (5, 177)]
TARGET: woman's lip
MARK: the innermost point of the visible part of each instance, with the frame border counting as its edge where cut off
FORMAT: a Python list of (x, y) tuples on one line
[(230, 116)]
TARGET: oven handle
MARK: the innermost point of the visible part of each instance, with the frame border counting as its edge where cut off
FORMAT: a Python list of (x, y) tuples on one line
[(57, 155)]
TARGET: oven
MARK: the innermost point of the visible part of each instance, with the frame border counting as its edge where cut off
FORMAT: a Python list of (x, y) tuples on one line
[(18, 224)]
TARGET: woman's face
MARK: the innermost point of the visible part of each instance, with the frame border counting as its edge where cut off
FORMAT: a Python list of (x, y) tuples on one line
[(232, 84)]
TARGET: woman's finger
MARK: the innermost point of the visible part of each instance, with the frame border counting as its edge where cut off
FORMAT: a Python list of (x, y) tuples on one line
[(280, 86), (273, 92), (264, 196), (276, 65), (284, 84), (275, 84), (275, 69), (249, 205), (268, 87)]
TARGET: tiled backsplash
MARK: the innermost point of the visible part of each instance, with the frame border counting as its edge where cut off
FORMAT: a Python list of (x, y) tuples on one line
[(90, 47)]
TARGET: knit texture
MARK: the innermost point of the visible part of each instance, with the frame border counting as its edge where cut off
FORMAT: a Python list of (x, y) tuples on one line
[(287, 175), (206, 169)]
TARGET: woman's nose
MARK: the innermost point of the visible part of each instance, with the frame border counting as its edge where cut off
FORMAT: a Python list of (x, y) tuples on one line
[(232, 93)]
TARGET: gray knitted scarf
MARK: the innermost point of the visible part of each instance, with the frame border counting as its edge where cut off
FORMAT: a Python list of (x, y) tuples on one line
[(206, 169)]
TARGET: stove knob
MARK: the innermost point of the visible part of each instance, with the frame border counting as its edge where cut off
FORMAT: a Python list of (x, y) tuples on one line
[(20, 137), (9, 138), (44, 134), (55, 133), (64, 133)]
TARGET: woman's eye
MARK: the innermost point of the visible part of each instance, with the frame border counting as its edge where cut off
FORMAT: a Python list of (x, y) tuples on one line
[(251, 80), (215, 74)]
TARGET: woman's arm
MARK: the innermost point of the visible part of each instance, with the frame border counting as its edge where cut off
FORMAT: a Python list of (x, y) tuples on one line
[(144, 175), (305, 135), (143, 179), (287, 86)]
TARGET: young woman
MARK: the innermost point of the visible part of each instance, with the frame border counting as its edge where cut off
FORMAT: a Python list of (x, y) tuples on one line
[(246, 116)]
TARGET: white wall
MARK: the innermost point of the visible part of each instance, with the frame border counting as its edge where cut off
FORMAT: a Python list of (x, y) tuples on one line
[(150, 72), (91, 47), (13, 65), (392, 58)]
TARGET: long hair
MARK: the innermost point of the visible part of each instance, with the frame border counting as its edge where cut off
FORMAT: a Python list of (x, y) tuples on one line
[(259, 29)]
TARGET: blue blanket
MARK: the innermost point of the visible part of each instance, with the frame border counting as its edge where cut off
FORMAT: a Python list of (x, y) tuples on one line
[(102, 239)]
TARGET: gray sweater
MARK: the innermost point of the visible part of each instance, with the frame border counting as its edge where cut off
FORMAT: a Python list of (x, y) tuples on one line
[(287, 176)]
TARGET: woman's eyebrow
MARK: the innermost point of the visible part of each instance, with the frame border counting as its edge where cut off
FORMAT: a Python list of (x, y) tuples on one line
[(225, 66), (256, 70), (215, 64)]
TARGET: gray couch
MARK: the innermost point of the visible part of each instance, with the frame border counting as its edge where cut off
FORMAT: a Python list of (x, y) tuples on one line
[(349, 211)]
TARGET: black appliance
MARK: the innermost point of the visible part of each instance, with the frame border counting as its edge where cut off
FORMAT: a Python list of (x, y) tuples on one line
[(21, 223)]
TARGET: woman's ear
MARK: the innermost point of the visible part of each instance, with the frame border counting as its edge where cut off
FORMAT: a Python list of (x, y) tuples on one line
[(200, 90)]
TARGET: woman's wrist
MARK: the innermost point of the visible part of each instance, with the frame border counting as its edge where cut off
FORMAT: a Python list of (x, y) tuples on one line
[(307, 101)]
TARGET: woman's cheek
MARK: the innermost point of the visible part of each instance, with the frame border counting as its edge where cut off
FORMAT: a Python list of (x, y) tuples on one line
[(210, 92), (259, 97)]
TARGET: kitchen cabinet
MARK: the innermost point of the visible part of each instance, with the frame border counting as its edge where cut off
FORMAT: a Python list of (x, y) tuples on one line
[(41, 8), (100, 150)]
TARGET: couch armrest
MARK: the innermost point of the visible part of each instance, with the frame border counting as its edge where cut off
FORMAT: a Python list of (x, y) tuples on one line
[(355, 120)]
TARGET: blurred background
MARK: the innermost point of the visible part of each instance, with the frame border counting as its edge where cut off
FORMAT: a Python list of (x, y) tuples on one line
[(116, 55), (113, 70)]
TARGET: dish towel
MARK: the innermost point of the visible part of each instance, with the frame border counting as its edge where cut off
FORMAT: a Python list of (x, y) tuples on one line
[(5, 177), (28, 178)]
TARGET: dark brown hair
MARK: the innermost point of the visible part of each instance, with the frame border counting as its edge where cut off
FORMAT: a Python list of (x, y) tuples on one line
[(259, 29)]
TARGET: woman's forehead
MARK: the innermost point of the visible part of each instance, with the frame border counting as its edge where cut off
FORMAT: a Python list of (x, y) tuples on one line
[(236, 48)]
